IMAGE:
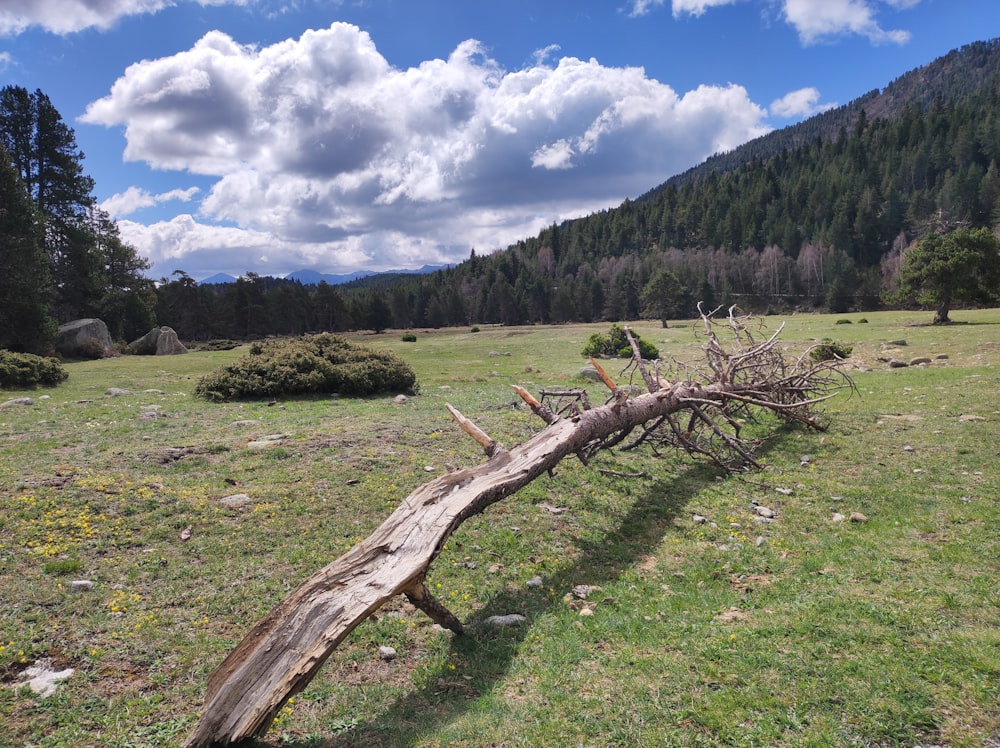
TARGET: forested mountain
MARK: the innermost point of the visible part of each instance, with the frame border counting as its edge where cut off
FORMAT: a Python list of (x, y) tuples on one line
[(814, 216)]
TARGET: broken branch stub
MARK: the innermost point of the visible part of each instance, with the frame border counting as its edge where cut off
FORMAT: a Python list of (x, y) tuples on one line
[(283, 652)]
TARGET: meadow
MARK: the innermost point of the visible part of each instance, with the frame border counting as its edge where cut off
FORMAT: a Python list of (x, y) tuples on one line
[(702, 625)]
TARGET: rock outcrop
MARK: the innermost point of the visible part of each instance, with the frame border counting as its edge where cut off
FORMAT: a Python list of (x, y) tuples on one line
[(84, 338)]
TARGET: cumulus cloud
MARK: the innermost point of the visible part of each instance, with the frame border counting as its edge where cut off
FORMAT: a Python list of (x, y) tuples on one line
[(696, 7), (815, 20), (801, 103), (135, 198), (70, 16), (339, 158)]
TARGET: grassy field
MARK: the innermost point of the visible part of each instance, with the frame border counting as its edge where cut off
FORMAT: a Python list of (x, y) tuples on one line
[(807, 631)]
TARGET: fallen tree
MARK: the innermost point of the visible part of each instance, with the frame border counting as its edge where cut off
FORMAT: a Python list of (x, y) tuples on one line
[(702, 409)]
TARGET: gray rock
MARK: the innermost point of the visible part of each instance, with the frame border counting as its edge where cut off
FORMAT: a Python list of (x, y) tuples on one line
[(536, 582), (942, 357), (765, 512), (266, 442), (160, 341), (511, 619), (895, 363), (17, 401), (919, 361), (116, 392), (236, 500), (81, 585), (400, 400), (387, 654), (84, 338), (698, 519), (590, 374), (899, 343)]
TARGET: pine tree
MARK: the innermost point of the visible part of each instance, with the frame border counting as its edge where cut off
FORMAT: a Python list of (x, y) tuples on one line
[(26, 323)]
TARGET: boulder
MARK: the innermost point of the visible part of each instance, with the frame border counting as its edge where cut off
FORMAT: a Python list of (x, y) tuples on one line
[(160, 341), (84, 338)]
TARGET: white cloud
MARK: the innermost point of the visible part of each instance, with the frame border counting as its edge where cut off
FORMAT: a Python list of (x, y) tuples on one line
[(696, 7), (642, 7), (70, 16), (801, 103), (135, 198), (815, 20), (340, 159)]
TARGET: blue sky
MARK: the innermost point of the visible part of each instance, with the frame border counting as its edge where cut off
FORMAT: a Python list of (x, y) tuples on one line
[(274, 135)]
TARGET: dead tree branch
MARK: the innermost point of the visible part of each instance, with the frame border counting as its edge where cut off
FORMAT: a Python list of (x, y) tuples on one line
[(704, 415)]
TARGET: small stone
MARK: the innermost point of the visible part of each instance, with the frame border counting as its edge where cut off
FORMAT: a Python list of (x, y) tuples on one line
[(919, 361), (942, 357), (236, 500), (766, 512), (582, 591), (535, 582), (895, 363), (17, 401), (968, 417), (837, 517), (511, 619), (400, 400), (908, 448), (387, 654), (266, 442), (759, 541), (858, 517), (586, 612), (42, 679), (81, 585), (428, 468), (898, 343), (698, 519), (116, 392), (784, 491)]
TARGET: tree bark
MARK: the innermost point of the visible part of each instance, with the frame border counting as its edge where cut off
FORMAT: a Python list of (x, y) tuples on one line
[(283, 652)]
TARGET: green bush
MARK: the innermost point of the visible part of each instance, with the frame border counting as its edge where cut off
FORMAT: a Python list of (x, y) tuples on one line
[(842, 322), (829, 350), (409, 338), (315, 364), (20, 371), (475, 328), (616, 345)]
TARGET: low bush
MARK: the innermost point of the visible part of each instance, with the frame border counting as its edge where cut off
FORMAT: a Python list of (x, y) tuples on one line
[(842, 322), (615, 345), (828, 350), (26, 371), (409, 338), (315, 364)]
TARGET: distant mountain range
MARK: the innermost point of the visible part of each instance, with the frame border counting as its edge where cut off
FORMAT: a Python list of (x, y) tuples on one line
[(313, 278)]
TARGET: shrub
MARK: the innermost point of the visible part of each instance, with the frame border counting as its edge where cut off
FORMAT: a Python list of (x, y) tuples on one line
[(842, 322), (409, 338), (862, 321), (475, 328), (827, 350), (26, 370), (616, 345), (315, 364)]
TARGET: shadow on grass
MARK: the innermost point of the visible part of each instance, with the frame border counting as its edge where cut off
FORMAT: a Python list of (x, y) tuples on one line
[(488, 653)]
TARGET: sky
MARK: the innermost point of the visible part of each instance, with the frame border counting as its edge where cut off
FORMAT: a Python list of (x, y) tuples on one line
[(228, 136)]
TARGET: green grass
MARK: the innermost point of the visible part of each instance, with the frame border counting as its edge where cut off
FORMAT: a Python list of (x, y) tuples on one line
[(801, 632)]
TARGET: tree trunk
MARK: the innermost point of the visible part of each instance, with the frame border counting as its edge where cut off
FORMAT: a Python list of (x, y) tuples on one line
[(283, 652)]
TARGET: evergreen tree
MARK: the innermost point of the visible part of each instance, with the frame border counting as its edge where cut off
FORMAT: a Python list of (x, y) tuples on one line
[(26, 323)]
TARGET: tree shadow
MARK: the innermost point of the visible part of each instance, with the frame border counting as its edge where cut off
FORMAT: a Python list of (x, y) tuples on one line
[(488, 652)]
